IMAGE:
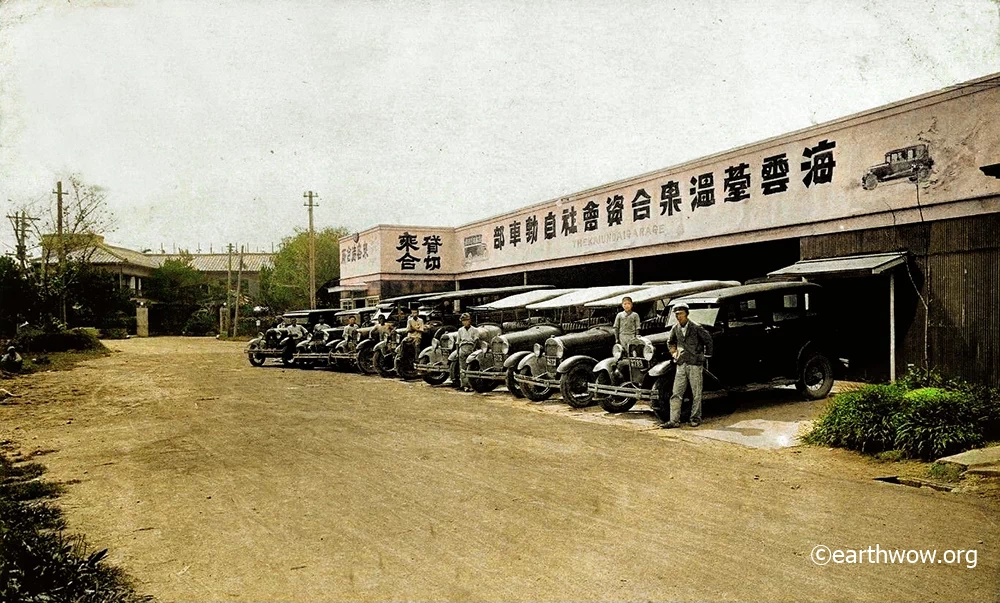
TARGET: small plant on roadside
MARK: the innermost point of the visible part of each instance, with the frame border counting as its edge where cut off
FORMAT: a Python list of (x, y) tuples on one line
[(937, 422), (862, 420), (38, 560), (946, 472)]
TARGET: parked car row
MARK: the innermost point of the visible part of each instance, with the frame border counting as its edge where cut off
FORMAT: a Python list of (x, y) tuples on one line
[(538, 340)]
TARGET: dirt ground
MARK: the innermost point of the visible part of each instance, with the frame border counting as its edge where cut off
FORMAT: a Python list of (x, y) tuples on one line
[(209, 479)]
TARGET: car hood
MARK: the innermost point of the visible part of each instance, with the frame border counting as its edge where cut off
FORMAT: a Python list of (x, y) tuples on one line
[(529, 337)]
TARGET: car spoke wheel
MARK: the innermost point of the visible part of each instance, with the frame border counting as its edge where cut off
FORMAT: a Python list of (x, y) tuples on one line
[(435, 377), (573, 386), (364, 363), (869, 182), (480, 385), (816, 377), (612, 403), (256, 359), (533, 392), (383, 364), (513, 386)]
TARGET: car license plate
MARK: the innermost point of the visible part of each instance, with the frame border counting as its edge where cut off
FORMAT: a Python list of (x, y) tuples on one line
[(636, 362), (550, 361)]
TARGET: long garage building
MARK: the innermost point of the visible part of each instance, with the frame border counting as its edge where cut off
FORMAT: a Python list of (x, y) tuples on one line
[(896, 211)]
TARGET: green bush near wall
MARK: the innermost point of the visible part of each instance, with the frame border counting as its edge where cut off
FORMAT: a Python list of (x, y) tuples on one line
[(907, 416), (30, 341)]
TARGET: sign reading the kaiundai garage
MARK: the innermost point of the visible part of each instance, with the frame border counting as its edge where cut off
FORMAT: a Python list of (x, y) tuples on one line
[(927, 151)]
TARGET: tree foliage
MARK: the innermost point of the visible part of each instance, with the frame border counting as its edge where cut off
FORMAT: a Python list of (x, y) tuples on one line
[(177, 282), (286, 285)]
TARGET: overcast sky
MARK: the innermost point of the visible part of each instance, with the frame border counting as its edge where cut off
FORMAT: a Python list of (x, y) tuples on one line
[(206, 121)]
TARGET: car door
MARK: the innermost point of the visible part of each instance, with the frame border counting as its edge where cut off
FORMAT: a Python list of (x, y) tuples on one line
[(742, 357), (785, 330)]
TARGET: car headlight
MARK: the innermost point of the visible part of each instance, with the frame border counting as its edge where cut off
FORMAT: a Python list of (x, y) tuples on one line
[(504, 346), (647, 349), (537, 350), (617, 351)]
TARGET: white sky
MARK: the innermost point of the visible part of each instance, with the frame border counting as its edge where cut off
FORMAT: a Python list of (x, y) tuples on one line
[(206, 121)]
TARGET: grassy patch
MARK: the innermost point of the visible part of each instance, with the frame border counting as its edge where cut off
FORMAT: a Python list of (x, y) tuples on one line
[(947, 472), (56, 361), (39, 561)]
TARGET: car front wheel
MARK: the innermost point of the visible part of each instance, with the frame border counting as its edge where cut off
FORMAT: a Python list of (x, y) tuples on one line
[(815, 377), (574, 386), (613, 404)]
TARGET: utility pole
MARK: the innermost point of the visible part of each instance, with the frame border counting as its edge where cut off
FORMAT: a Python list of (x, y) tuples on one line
[(239, 281), (20, 224), (59, 192), (229, 288), (312, 248)]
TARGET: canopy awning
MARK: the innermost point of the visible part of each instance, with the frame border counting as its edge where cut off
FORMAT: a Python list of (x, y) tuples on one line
[(346, 288), (853, 265)]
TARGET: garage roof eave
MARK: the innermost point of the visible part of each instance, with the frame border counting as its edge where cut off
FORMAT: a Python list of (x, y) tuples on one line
[(853, 265)]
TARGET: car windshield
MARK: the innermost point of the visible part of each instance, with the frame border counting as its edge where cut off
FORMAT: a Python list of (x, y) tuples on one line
[(706, 317)]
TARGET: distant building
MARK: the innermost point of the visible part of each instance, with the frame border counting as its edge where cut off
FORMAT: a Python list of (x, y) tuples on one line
[(132, 266)]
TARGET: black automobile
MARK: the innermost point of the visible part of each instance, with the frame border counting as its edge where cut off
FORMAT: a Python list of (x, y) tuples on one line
[(764, 335), (437, 359), (276, 342), (585, 332), (347, 353)]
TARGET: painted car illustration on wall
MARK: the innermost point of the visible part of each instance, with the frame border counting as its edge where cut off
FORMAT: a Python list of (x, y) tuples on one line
[(912, 162)]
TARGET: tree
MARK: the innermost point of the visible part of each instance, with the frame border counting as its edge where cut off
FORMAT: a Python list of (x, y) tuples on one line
[(85, 214), (176, 282), (18, 299), (286, 285)]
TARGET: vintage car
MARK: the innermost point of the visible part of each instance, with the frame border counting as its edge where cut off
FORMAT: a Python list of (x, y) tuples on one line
[(764, 335), (275, 342), (384, 352), (348, 353), (437, 361), (651, 304), (521, 329), (585, 333), (912, 162)]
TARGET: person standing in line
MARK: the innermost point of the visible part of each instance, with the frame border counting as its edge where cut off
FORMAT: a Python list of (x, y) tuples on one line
[(690, 344), (626, 324), (467, 334)]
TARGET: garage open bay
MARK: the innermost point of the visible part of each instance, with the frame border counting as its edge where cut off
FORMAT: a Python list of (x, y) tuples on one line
[(209, 479)]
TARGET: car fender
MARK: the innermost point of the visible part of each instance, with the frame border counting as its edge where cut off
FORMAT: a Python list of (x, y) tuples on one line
[(660, 368), (425, 356), (253, 342), (379, 346), (532, 361), (365, 345), (426, 352), (453, 357), (514, 360), (574, 361), (606, 366), (475, 356)]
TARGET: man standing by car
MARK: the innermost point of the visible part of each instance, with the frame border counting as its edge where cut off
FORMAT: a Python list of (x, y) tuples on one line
[(351, 329), (467, 334), (320, 326), (690, 344), (626, 324)]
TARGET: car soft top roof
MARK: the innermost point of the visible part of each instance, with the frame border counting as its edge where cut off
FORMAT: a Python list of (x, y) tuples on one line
[(582, 296), (717, 295), (664, 291), (403, 298), (452, 295), (309, 313), (356, 311), (521, 300)]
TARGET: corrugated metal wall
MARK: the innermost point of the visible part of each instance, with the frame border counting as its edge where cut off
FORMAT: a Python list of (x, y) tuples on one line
[(955, 266)]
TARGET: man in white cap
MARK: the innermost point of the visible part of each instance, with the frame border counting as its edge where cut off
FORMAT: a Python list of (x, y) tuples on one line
[(690, 344), (468, 335)]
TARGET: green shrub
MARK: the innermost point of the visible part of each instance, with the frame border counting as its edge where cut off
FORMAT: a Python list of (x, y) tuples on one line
[(862, 420), (200, 322), (60, 341), (938, 422), (114, 333)]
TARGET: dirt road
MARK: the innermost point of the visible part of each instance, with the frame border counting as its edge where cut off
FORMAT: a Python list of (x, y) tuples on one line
[(212, 480)]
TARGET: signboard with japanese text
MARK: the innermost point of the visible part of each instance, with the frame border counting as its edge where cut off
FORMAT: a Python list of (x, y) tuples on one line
[(399, 250), (915, 154), (845, 170)]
